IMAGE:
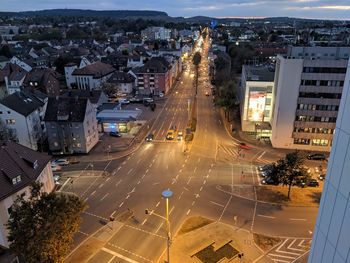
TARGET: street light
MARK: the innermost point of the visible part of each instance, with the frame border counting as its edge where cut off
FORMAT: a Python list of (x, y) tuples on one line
[(165, 194)]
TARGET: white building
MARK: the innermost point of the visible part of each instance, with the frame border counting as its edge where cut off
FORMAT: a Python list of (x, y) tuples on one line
[(308, 83), (19, 167), (331, 239), (256, 99), (22, 112), (156, 33)]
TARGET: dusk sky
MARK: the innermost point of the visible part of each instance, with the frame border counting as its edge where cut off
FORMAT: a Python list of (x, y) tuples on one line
[(323, 9)]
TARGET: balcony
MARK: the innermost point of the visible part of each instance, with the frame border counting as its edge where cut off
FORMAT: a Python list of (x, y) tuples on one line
[(308, 135), (314, 124), (317, 113), (321, 89), (318, 101)]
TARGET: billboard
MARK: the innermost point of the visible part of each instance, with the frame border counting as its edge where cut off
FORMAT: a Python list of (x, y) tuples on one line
[(256, 105)]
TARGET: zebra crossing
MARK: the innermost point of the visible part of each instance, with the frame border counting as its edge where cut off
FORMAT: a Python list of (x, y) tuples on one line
[(289, 250), (226, 152)]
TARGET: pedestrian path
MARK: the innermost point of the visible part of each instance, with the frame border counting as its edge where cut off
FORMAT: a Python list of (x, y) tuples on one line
[(227, 152), (289, 250)]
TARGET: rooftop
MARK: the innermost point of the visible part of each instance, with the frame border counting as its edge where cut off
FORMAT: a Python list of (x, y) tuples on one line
[(259, 73), (69, 109), (97, 70)]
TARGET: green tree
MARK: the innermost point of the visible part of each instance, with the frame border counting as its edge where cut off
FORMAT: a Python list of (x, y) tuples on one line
[(291, 170), (41, 228), (197, 57), (227, 96), (6, 51)]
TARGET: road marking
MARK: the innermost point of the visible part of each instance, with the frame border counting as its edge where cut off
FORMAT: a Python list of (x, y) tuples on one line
[(86, 199), (65, 183), (138, 182), (186, 189), (155, 183), (189, 210), (133, 190), (160, 226), (109, 178), (123, 162), (121, 204), (257, 175), (128, 158), (261, 155), (216, 203), (119, 168), (183, 165), (271, 217), (104, 196), (139, 229), (292, 248), (143, 176), (212, 165), (199, 159), (201, 189), (127, 197), (93, 192), (146, 171), (118, 183), (297, 219), (107, 165), (100, 217), (157, 204), (172, 209), (150, 165), (195, 169), (189, 180), (138, 161), (223, 211), (180, 170), (144, 221), (209, 170), (186, 160), (177, 176), (281, 256), (193, 203), (130, 171), (100, 186), (205, 181), (124, 257)]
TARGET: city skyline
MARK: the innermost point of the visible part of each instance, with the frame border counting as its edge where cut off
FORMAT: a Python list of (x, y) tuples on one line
[(317, 9)]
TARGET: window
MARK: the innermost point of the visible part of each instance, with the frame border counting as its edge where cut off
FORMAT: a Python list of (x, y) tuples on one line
[(302, 141), (320, 142), (8, 112), (10, 121)]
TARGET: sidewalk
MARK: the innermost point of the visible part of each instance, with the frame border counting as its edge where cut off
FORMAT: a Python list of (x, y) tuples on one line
[(216, 235)]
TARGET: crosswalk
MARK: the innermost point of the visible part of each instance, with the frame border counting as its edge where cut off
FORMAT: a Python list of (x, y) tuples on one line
[(289, 250), (226, 152)]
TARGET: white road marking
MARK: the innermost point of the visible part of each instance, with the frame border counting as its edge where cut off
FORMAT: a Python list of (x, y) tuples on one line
[(195, 169), (65, 183), (257, 175), (201, 189), (223, 211), (216, 203), (180, 170), (193, 203), (138, 182), (209, 170), (205, 181), (121, 204), (150, 165), (107, 165), (160, 226), (128, 158), (127, 197), (86, 199), (177, 176), (104, 196), (138, 161), (118, 183), (292, 248), (157, 204), (189, 210), (100, 186), (130, 171), (199, 159), (172, 209), (189, 179), (119, 168), (115, 254), (271, 217), (183, 165), (261, 155), (297, 219), (144, 221), (123, 162), (109, 178), (93, 192), (146, 171), (281, 256)]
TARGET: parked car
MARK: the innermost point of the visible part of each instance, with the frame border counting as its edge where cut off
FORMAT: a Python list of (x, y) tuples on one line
[(74, 161), (207, 93), (62, 161), (56, 177), (317, 156), (322, 177), (312, 183), (161, 95), (243, 145), (115, 134), (269, 180), (55, 167), (149, 137)]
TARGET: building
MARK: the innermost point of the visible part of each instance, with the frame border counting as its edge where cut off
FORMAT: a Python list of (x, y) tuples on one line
[(71, 125), (22, 113), (156, 33), (19, 167), (89, 77), (14, 77), (308, 83), (154, 77), (121, 82), (331, 238), (45, 80), (96, 97), (256, 99)]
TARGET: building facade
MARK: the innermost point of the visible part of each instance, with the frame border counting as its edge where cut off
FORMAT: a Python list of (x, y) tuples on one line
[(331, 239), (256, 99), (71, 125), (308, 83), (19, 167)]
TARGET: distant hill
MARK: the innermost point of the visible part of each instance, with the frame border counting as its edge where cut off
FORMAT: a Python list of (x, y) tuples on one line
[(90, 13)]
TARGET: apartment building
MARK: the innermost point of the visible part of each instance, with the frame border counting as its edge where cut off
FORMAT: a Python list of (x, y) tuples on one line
[(331, 239), (309, 84), (256, 99)]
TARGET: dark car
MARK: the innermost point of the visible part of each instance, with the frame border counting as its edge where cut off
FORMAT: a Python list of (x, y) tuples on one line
[(312, 183), (243, 145), (269, 180), (149, 137), (317, 156), (115, 134)]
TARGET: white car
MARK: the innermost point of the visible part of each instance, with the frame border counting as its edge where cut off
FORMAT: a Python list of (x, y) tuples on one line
[(161, 94), (55, 167), (61, 162)]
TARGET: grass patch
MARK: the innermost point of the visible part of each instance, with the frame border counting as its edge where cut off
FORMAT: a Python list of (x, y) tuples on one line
[(299, 196), (265, 242), (209, 255), (194, 223)]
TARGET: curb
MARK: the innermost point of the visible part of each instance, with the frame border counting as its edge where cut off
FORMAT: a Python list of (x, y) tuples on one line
[(260, 201)]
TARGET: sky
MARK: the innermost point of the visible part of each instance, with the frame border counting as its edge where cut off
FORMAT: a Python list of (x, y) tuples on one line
[(321, 9)]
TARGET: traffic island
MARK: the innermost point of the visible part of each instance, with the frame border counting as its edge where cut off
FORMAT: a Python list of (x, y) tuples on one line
[(202, 240), (266, 242)]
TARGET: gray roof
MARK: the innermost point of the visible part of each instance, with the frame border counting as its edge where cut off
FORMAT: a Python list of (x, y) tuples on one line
[(67, 109), (23, 102), (259, 73), (93, 95), (17, 160), (121, 77)]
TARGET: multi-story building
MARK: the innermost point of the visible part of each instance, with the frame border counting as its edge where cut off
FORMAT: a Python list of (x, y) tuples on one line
[(154, 77), (45, 80), (256, 99), (156, 33), (71, 125), (14, 77), (331, 239), (19, 167), (309, 83), (89, 77), (22, 113)]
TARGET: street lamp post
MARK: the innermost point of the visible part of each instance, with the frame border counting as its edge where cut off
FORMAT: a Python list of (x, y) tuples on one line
[(167, 194)]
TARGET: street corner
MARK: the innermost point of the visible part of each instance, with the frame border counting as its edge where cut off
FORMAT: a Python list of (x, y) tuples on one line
[(204, 240)]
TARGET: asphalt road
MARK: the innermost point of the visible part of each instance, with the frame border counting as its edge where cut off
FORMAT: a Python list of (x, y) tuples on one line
[(135, 183)]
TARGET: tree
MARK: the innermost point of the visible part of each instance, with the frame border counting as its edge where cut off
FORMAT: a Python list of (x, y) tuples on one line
[(197, 57), (6, 51), (227, 96), (41, 228), (291, 170)]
